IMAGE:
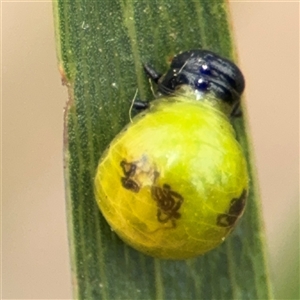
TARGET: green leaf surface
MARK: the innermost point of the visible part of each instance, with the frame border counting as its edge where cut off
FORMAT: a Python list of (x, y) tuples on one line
[(101, 46)]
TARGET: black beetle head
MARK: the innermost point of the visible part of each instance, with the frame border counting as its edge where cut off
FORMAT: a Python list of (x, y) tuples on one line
[(205, 72)]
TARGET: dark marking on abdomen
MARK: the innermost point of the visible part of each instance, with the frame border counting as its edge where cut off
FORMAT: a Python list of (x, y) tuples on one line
[(236, 208)]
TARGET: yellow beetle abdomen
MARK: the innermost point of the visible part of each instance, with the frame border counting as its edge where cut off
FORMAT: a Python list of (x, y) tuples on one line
[(173, 183)]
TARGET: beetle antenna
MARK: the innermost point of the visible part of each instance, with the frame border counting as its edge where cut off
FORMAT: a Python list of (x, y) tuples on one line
[(152, 89), (183, 66), (131, 106)]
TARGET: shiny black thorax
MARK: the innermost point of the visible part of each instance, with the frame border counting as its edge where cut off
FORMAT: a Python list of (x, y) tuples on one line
[(205, 72)]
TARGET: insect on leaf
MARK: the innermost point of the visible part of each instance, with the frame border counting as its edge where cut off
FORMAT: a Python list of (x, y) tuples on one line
[(101, 48)]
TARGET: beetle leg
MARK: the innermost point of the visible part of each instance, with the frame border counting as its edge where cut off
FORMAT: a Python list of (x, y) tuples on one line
[(140, 105), (152, 73), (236, 111)]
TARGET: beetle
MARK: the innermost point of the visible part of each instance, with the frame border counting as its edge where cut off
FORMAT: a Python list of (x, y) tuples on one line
[(174, 182)]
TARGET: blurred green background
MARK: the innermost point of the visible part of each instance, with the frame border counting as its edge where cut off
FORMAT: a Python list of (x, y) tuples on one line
[(35, 261)]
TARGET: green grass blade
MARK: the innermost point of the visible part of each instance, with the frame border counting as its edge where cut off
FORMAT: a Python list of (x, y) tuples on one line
[(101, 46)]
